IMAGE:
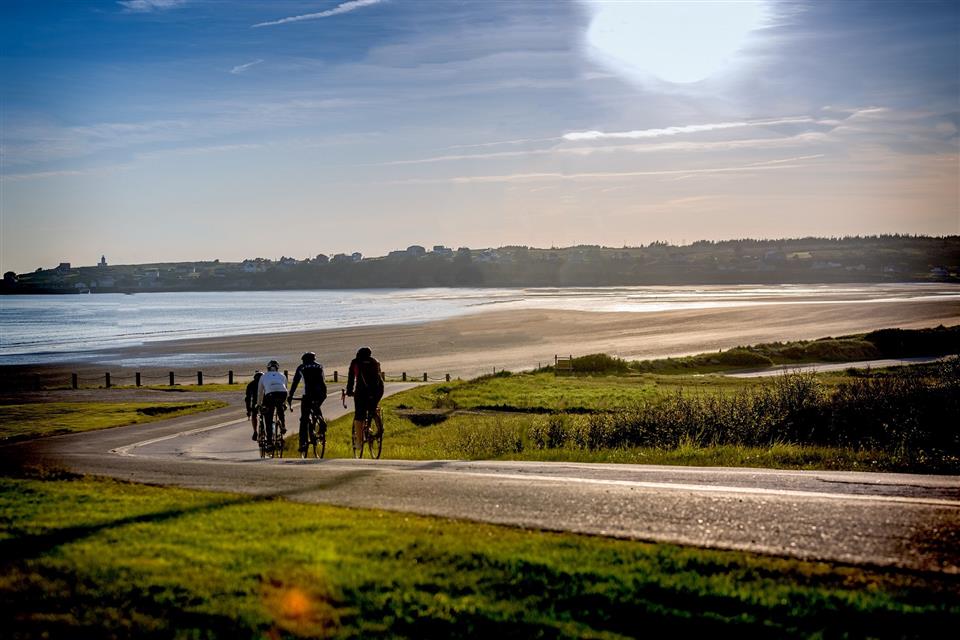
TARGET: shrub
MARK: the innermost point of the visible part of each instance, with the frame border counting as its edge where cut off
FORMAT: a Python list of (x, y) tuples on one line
[(599, 363), (904, 343), (740, 357), (484, 439), (549, 432)]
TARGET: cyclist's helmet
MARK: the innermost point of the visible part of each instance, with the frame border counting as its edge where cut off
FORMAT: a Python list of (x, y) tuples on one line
[(364, 353), (257, 374), (273, 365), (309, 356)]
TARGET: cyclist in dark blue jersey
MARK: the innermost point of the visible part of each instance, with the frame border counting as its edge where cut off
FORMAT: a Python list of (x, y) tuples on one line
[(314, 393)]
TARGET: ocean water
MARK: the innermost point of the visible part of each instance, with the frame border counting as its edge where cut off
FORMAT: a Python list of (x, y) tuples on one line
[(36, 329)]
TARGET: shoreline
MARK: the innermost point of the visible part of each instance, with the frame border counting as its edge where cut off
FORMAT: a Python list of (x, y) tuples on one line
[(516, 340)]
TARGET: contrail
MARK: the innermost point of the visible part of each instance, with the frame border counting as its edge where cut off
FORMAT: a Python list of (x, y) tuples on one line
[(346, 7)]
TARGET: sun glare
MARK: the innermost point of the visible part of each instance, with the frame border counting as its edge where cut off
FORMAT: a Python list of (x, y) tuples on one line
[(679, 42)]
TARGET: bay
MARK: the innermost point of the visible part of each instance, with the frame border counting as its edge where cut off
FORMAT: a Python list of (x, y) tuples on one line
[(35, 329)]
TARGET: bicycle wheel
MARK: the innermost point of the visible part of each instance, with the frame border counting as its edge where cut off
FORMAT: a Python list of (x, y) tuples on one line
[(262, 443), (375, 441), (318, 436)]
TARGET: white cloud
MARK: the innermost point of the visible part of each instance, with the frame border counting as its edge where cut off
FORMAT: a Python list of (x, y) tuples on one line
[(240, 68), (577, 136), (146, 6), (803, 139), (346, 7), (769, 165)]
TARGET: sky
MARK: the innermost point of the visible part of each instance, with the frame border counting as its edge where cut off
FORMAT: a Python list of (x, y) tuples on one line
[(168, 130)]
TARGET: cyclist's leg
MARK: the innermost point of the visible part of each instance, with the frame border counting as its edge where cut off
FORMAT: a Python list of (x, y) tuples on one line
[(281, 413), (304, 424), (266, 419), (359, 416), (377, 419), (318, 417)]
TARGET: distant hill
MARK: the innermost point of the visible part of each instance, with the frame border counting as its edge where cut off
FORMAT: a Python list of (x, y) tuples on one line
[(799, 260)]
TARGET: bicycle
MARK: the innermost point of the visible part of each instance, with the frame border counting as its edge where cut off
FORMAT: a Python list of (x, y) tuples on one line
[(372, 439), (317, 433), (275, 446)]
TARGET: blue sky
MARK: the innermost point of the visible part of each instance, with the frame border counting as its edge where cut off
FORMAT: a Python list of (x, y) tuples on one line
[(198, 129)]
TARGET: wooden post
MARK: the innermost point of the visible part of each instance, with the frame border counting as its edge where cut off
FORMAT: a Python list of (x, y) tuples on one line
[(404, 376), (424, 377), (200, 378), (448, 377), (334, 376), (138, 378), (171, 378), (107, 377), (74, 380), (230, 376)]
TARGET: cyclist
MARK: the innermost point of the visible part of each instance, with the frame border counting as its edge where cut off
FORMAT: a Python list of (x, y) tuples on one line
[(365, 384), (272, 396), (250, 400), (314, 393)]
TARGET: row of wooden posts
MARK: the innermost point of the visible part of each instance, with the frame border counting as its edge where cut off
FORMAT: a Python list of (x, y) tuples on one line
[(75, 378)]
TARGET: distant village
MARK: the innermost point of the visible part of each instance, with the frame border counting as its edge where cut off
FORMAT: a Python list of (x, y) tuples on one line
[(857, 259)]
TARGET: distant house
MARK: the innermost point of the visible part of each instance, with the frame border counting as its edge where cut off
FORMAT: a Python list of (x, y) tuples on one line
[(321, 259), (339, 258), (488, 255), (356, 256), (63, 266), (402, 253), (416, 251), (441, 250), (257, 265)]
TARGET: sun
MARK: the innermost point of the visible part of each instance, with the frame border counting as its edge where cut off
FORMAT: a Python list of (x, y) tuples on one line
[(676, 41)]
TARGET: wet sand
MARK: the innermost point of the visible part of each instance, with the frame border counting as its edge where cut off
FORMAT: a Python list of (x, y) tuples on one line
[(515, 340)]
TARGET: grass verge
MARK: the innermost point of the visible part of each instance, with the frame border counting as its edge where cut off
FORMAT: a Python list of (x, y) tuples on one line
[(889, 420), (100, 558), (21, 421)]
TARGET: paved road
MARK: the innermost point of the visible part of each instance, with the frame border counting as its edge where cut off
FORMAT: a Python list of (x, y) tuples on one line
[(821, 367), (898, 520)]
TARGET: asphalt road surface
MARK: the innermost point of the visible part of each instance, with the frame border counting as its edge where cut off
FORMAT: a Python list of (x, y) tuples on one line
[(880, 519)]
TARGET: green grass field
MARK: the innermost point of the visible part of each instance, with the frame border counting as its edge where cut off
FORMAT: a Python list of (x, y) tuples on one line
[(621, 419), (100, 558), (20, 421)]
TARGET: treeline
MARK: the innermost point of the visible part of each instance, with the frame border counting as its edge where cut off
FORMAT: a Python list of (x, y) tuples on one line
[(746, 261)]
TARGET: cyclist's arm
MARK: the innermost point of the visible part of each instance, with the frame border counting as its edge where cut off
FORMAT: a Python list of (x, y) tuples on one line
[(323, 386), (296, 381), (351, 378)]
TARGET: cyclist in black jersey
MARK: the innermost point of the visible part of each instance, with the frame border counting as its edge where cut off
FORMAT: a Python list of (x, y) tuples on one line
[(250, 400), (365, 385), (314, 393)]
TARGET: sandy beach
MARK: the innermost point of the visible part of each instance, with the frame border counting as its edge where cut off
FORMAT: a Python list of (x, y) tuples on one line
[(515, 340)]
